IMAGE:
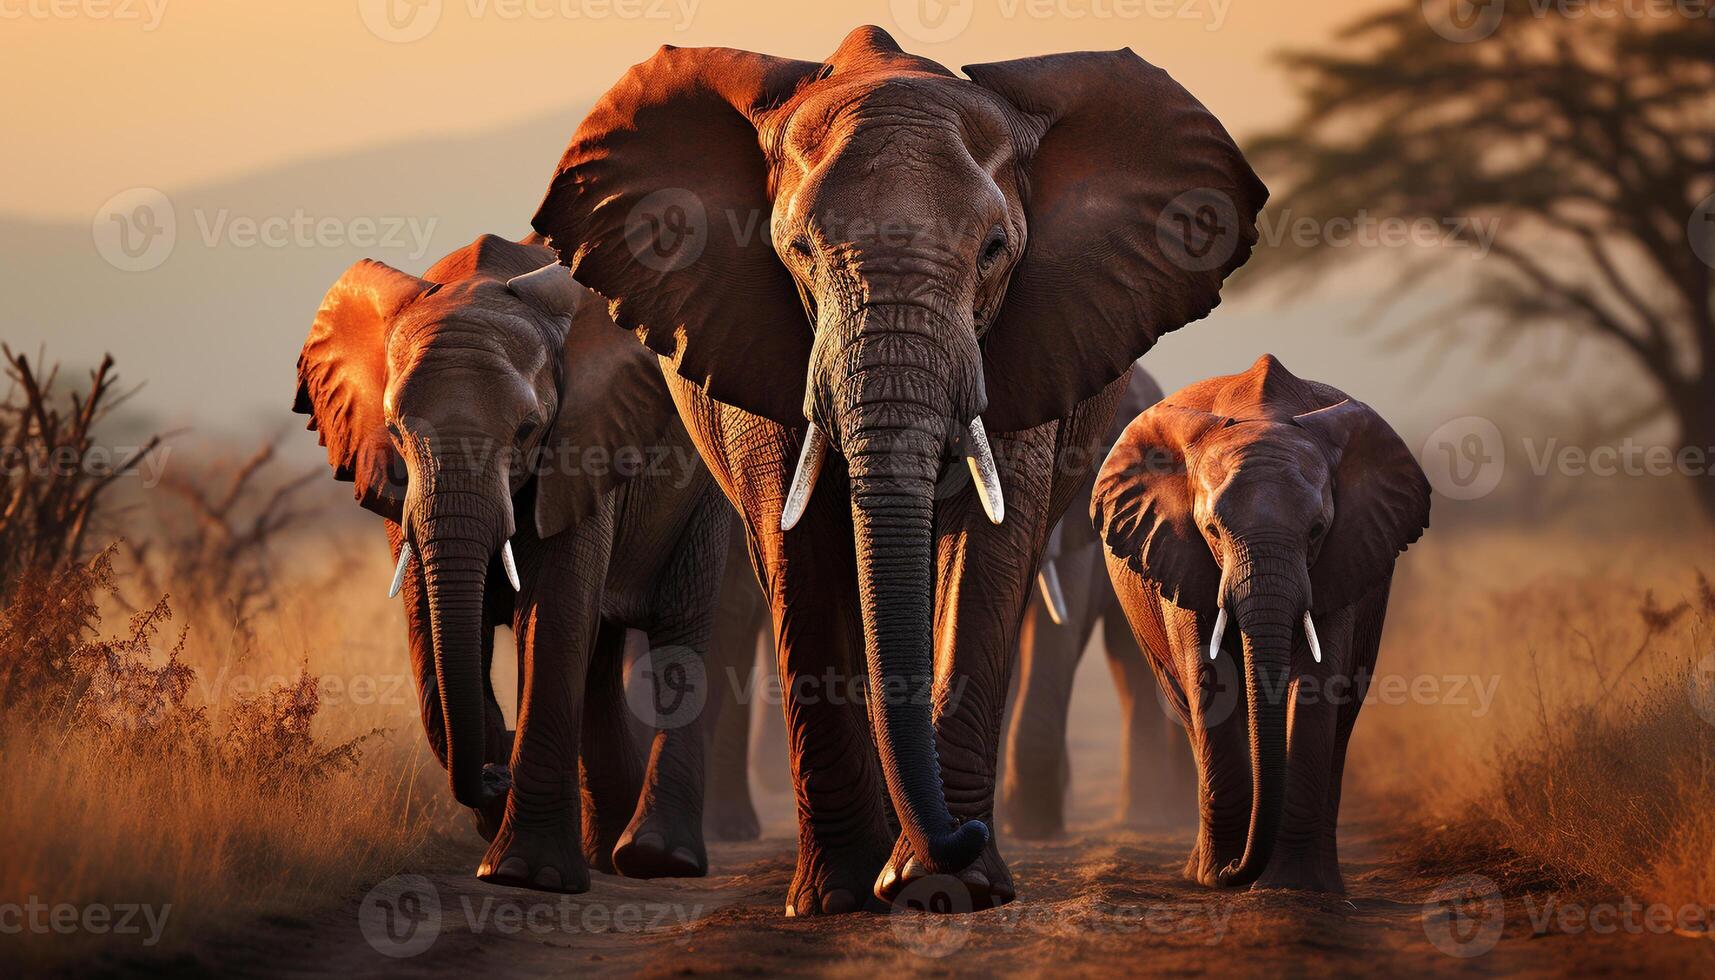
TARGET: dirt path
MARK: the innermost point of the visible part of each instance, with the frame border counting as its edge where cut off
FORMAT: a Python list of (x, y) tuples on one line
[(1101, 903)]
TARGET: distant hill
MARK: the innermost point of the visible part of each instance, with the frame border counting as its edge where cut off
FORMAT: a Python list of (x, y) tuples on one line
[(214, 330)]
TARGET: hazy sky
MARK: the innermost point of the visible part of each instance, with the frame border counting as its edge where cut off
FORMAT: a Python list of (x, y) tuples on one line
[(104, 95)]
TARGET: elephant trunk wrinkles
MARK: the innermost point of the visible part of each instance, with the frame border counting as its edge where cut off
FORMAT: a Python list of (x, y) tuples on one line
[(895, 417), (1268, 596), (456, 535)]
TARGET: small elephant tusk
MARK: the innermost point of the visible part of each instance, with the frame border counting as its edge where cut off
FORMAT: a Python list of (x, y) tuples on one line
[(399, 571), (511, 566), (810, 458), (1220, 631), (983, 471), (1048, 579), (1310, 634)]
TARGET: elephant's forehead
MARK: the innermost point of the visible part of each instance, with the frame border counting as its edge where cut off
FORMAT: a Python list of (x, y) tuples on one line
[(837, 115)]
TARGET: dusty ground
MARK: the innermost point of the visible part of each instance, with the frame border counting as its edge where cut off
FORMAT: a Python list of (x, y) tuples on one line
[(1099, 902), (1095, 903)]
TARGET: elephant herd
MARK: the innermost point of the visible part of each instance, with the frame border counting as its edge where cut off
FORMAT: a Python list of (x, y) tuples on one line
[(826, 350)]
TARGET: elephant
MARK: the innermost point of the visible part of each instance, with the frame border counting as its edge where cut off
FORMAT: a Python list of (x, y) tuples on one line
[(869, 275), (1157, 779), (490, 386), (1280, 505)]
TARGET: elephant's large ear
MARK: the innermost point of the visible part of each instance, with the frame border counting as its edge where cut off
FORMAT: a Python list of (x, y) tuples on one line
[(1381, 502), (661, 204), (1143, 507), (1139, 205), (342, 376), (614, 404)]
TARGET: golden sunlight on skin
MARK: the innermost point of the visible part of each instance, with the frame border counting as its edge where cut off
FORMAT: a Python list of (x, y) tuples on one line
[(176, 93)]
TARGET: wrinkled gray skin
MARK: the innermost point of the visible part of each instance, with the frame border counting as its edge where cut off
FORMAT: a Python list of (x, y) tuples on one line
[(1157, 780)]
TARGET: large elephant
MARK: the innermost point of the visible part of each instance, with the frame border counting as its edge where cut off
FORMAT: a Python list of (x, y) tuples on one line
[(453, 401), (1157, 779), (1279, 505), (860, 270)]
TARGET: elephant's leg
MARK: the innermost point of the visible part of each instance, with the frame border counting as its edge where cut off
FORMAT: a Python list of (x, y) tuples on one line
[(729, 814), (770, 750), (665, 836), (612, 771), (809, 576), (1033, 797), (1158, 780), (540, 841)]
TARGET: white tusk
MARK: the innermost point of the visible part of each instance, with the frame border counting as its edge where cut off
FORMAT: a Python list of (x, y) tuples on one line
[(1049, 581), (1220, 630), (983, 471), (1310, 634), (511, 566), (810, 458), (399, 572)]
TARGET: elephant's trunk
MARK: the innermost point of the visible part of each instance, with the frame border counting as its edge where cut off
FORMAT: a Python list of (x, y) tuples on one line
[(456, 536), (1268, 598), (894, 420)]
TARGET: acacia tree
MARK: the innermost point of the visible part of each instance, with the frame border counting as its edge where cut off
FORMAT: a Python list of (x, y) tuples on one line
[(1584, 134)]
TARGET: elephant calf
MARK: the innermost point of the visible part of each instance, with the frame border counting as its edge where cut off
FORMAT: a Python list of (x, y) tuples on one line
[(495, 385), (1282, 505)]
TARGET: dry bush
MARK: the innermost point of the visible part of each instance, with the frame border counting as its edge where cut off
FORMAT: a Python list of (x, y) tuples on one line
[(52, 492), (1594, 766)]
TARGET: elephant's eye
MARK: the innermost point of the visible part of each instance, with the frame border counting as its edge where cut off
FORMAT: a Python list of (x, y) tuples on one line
[(1316, 531), (393, 430), (1213, 531), (526, 430), (993, 249), (801, 247)]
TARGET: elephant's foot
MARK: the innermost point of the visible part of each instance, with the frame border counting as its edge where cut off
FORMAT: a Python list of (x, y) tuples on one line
[(1205, 863), (834, 881), (661, 844), (731, 818), (1310, 872), (546, 860), (986, 884)]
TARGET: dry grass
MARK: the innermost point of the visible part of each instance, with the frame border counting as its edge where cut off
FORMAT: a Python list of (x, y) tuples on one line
[(260, 754), (1594, 766)]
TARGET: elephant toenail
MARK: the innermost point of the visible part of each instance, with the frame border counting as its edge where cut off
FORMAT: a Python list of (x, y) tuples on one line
[(913, 870), (548, 878), (974, 877), (649, 842), (687, 855), (839, 901), (791, 911), (889, 877), (513, 867)]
